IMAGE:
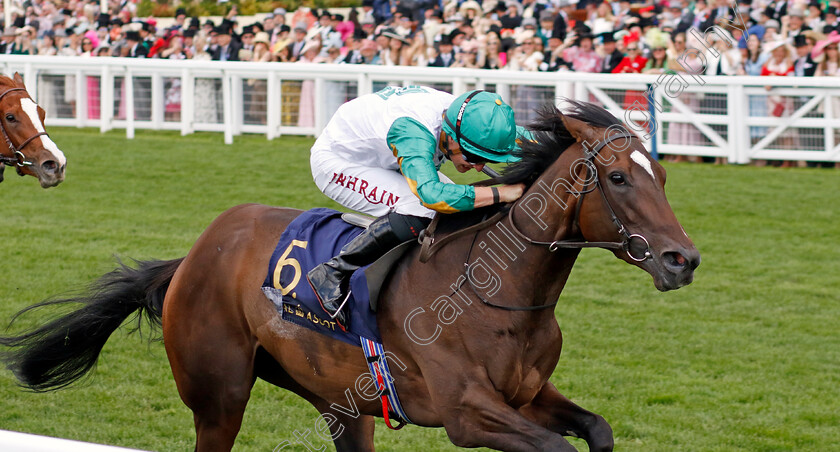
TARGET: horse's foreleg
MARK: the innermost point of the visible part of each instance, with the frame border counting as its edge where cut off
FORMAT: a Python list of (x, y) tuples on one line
[(557, 413), (481, 418)]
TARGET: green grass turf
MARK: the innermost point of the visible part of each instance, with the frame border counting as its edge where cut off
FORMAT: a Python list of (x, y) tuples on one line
[(745, 359)]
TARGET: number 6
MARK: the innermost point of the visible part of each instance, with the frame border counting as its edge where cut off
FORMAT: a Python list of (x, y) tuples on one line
[(284, 261)]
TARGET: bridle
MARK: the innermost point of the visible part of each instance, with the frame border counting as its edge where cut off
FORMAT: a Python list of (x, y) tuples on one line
[(17, 158), (588, 187)]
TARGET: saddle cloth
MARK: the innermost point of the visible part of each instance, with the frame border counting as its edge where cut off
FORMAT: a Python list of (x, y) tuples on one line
[(312, 238)]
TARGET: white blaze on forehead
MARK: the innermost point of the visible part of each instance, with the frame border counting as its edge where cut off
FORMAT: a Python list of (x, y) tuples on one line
[(643, 161), (31, 109)]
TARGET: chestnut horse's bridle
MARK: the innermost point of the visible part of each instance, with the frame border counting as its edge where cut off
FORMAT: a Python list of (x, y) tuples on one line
[(17, 158)]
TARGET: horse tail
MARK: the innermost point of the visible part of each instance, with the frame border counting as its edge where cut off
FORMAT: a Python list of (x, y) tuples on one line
[(57, 354)]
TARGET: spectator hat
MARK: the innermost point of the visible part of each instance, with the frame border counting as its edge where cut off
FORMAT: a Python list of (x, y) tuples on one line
[(546, 16), (220, 30), (483, 125), (300, 27), (394, 35), (833, 38), (815, 35), (194, 23), (285, 28), (189, 33), (359, 34), (515, 3), (796, 12), (832, 12), (468, 5), (606, 37), (529, 22), (210, 23), (770, 47), (800, 41), (667, 25), (279, 12), (772, 23), (132, 35), (488, 6), (564, 3), (262, 37), (103, 19), (180, 12), (457, 17)]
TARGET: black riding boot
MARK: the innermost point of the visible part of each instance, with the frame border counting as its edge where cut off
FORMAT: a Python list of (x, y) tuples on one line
[(331, 279)]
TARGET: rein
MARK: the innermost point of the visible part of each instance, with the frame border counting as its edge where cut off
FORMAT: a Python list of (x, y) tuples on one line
[(567, 244), (17, 158)]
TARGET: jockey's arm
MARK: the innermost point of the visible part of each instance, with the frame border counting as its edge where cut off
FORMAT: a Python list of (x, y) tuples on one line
[(414, 146)]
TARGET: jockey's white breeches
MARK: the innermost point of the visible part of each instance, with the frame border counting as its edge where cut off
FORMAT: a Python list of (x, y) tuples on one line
[(369, 190)]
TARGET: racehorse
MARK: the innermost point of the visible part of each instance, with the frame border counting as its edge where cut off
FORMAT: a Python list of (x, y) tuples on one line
[(472, 351), (30, 149)]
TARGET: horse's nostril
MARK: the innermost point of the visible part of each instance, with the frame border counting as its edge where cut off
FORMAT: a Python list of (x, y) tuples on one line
[(50, 165), (687, 259), (675, 259)]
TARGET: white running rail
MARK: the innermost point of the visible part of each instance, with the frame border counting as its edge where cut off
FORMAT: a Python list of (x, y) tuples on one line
[(739, 118)]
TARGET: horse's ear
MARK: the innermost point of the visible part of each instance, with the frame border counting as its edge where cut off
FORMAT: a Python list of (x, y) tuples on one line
[(19, 80), (581, 131)]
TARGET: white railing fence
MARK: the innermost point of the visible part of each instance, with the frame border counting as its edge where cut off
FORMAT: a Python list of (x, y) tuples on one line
[(738, 118)]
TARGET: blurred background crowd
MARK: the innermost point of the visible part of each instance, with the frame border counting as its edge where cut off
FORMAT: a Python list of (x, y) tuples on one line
[(754, 37), (700, 37)]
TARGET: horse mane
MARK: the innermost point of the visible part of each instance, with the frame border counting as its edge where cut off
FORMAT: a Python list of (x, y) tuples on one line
[(550, 139)]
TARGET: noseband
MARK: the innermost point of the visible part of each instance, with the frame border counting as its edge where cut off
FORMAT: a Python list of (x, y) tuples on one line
[(17, 158), (596, 185)]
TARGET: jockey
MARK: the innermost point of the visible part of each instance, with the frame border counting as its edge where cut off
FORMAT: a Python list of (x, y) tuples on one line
[(380, 155)]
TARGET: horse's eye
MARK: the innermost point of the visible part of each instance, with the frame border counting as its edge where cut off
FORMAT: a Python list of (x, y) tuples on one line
[(617, 179), (10, 117)]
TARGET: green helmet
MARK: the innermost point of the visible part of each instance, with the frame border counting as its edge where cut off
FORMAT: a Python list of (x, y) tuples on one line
[(482, 124)]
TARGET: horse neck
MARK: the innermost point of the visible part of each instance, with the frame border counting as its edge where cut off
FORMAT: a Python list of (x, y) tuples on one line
[(545, 213)]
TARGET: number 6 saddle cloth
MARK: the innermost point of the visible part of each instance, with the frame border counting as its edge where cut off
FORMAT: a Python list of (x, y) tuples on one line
[(310, 239)]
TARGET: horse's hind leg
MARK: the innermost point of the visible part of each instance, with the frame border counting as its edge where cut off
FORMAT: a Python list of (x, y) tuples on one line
[(214, 377), (212, 362), (557, 413), (348, 433)]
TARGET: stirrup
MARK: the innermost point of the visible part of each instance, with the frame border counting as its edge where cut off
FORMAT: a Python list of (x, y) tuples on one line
[(341, 306)]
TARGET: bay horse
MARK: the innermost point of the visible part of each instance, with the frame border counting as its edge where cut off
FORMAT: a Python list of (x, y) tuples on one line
[(472, 350), (28, 146)]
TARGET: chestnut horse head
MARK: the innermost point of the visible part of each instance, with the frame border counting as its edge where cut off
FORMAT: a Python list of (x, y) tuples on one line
[(28, 147), (604, 189)]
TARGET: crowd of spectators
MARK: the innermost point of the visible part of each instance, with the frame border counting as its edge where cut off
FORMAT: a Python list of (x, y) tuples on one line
[(731, 37), (754, 37)]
